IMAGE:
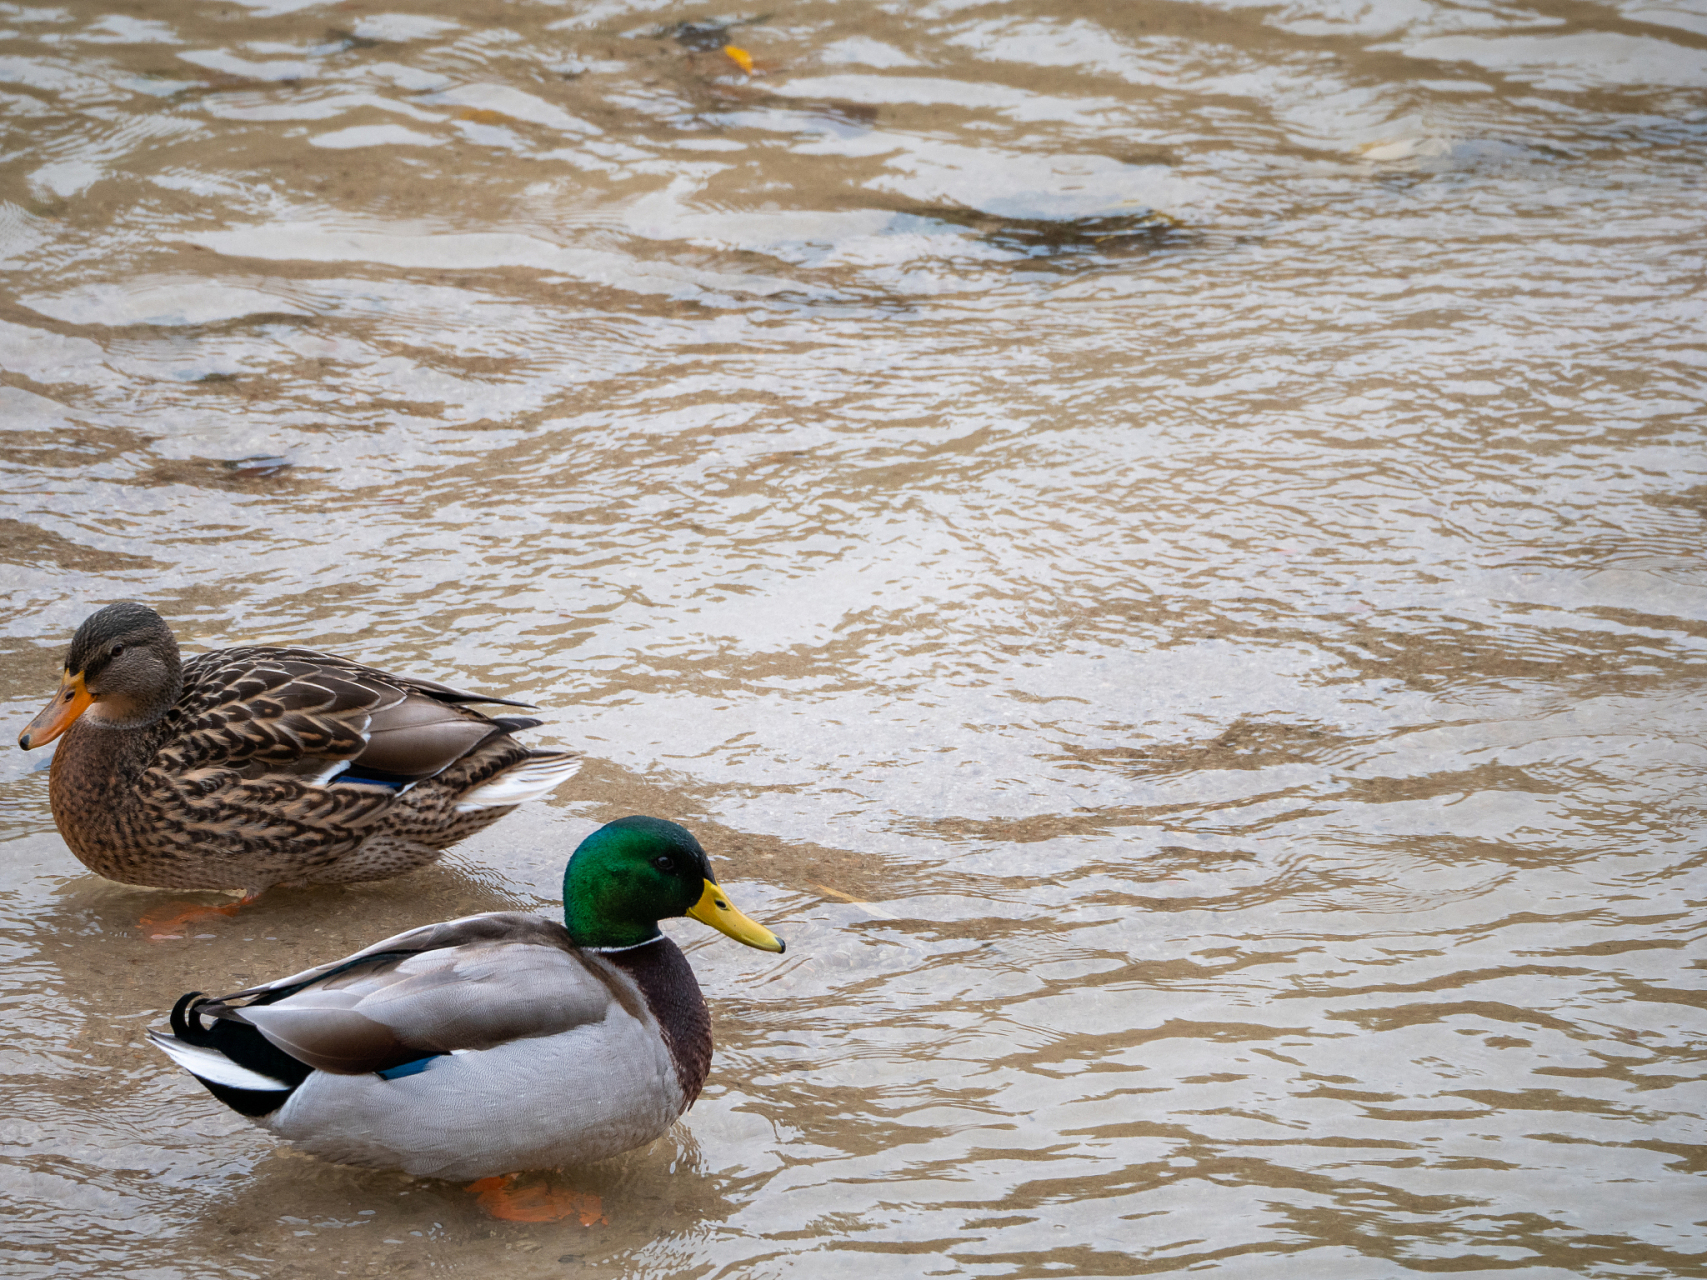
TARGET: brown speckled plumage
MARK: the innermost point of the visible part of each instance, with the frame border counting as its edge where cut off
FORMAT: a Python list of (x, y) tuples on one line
[(233, 786)]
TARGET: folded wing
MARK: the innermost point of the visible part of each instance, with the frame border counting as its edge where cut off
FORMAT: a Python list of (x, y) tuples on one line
[(290, 757), (467, 984), (308, 713)]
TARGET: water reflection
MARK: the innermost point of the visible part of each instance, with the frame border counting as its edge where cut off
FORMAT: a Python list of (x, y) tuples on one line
[(1160, 543)]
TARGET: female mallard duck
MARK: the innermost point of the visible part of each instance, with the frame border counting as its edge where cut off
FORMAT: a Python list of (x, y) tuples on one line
[(492, 1044), (245, 768)]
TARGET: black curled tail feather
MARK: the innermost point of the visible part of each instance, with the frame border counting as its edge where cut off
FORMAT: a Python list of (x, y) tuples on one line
[(186, 1024)]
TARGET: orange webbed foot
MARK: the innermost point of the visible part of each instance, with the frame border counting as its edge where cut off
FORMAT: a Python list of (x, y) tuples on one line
[(508, 1198), (171, 919)]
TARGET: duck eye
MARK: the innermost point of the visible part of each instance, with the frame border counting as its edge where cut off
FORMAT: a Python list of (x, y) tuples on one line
[(664, 862), (115, 650)]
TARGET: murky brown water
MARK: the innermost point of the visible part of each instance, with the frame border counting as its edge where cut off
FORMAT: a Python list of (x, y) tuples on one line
[(1161, 541)]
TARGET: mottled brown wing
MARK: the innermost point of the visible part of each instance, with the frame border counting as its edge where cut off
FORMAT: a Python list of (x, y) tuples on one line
[(272, 707), (303, 714), (235, 660), (468, 984), (253, 751)]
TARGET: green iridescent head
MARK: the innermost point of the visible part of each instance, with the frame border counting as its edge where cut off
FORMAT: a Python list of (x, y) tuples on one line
[(634, 872)]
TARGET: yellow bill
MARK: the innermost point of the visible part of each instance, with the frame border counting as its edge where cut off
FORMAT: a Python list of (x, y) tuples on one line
[(715, 909), (69, 702)]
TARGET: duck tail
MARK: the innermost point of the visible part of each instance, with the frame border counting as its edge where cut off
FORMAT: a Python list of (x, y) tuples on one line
[(231, 1059), (537, 776)]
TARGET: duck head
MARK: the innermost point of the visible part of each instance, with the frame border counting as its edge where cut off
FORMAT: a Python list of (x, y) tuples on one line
[(634, 872), (122, 668)]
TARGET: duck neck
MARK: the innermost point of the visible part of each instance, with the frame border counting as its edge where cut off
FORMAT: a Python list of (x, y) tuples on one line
[(92, 786), (589, 924), (673, 997)]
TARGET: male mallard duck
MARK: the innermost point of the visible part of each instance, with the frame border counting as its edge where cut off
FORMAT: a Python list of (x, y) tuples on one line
[(245, 768), (491, 1044)]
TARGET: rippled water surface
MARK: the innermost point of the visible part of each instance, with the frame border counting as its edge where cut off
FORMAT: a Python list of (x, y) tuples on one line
[(1161, 543)]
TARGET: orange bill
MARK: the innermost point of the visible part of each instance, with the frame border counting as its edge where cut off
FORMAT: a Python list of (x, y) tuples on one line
[(69, 702)]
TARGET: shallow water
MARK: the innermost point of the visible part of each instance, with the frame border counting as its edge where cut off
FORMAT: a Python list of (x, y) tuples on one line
[(1160, 542)]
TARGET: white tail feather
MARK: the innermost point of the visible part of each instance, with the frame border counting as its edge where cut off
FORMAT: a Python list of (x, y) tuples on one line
[(534, 777), (213, 1066)]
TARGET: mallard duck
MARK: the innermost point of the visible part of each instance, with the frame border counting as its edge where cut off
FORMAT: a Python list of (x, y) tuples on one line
[(492, 1044), (245, 768)]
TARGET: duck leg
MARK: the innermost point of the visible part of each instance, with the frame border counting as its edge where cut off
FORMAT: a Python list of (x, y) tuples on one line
[(511, 1199), (170, 919)]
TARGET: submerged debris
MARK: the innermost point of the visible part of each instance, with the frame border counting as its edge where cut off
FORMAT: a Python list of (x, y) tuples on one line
[(713, 37), (261, 465), (1104, 234), (701, 37), (220, 473)]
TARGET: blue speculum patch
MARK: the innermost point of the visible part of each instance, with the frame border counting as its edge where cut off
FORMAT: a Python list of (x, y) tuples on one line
[(409, 1068)]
